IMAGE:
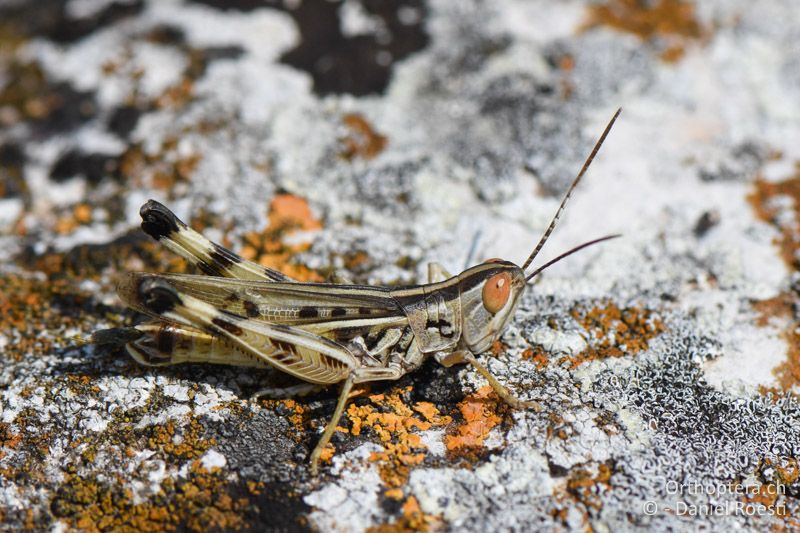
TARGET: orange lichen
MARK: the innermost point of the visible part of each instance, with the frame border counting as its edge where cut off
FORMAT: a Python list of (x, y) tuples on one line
[(673, 22), (83, 213), (586, 486), (197, 503), (772, 493), (394, 494), (287, 214), (780, 306), (497, 348), (199, 500), (297, 418), (26, 310), (566, 64), (787, 470), (176, 95), (296, 413), (327, 453), (537, 356), (672, 54), (763, 200), (353, 260), (616, 332), (162, 438), (480, 416), (9, 439), (412, 519), (362, 141), (79, 215), (788, 372), (394, 423)]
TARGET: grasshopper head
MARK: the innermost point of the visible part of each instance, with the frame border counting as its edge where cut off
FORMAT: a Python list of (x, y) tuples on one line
[(490, 293)]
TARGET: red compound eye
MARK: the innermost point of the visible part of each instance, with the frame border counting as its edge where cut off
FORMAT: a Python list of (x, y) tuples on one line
[(496, 292)]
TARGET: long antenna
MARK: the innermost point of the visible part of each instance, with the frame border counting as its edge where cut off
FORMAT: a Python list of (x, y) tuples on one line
[(586, 164), (570, 252)]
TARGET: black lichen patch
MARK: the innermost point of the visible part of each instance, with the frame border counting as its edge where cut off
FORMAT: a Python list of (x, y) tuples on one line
[(436, 384), (123, 119), (269, 446), (93, 167), (51, 19), (203, 57), (167, 35), (12, 178), (353, 64), (272, 507)]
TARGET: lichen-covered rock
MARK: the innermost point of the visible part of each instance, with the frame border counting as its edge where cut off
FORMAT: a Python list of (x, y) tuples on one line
[(370, 138)]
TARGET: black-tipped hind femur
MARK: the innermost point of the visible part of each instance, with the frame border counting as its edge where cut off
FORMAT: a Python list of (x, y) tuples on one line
[(157, 220), (157, 295)]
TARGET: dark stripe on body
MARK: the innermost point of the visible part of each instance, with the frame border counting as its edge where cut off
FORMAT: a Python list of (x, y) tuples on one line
[(224, 257), (371, 341), (274, 275), (209, 269), (228, 326), (444, 327), (308, 312), (165, 339), (345, 334)]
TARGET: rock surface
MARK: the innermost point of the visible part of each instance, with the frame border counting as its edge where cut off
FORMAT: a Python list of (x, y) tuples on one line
[(370, 138)]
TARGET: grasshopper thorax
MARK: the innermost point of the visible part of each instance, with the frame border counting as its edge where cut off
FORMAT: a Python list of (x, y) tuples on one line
[(490, 293)]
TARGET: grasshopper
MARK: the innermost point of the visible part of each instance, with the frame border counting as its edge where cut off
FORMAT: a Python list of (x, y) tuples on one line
[(241, 313)]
